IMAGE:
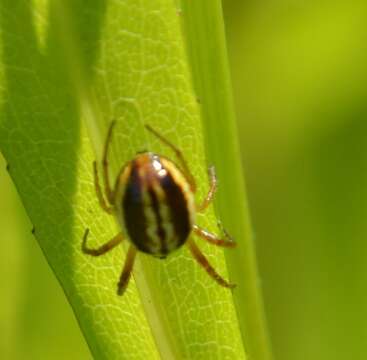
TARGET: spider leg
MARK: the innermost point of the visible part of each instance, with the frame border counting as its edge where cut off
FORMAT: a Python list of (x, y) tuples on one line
[(102, 201), (190, 178), (213, 185), (126, 272), (202, 260), (227, 241), (108, 190), (102, 249)]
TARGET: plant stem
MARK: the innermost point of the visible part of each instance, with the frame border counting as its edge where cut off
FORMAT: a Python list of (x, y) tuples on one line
[(203, 21)]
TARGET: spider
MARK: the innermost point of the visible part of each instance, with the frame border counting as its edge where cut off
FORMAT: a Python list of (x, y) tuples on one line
[(153, 200)]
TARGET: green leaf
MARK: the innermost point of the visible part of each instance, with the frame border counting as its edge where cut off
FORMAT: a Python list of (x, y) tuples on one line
[(49, 156), (110, 60), (25, 276)]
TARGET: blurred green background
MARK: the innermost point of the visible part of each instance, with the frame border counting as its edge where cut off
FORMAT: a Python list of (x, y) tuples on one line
[(299, 77)]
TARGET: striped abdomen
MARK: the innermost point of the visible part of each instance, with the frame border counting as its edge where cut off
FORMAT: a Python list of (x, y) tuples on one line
[(157, 205)]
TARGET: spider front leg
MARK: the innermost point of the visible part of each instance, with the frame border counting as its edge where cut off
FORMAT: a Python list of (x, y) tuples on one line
[(212, 190), (102, 201), (108, 190), (186, 171)]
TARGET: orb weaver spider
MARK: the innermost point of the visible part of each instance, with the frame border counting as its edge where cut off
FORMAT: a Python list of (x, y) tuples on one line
[(153, 200)]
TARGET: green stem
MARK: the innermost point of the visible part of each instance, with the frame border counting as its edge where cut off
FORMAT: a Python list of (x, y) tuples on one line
[(203, 21)]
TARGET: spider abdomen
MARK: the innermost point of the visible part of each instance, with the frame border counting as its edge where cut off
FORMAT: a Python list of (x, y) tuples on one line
[(157, 205)]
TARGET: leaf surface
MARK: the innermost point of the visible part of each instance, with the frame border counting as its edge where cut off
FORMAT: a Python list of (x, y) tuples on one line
[(123, 60)]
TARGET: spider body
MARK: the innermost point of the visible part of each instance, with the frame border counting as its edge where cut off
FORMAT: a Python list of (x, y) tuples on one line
[(154, 202), (157, 207)]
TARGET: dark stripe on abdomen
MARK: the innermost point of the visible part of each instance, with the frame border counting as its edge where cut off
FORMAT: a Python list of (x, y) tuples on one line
[(134, 216), (159, 222), (179, 215)]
